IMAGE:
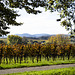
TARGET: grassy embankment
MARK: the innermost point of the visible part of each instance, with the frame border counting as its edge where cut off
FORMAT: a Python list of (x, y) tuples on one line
[(62, 71), (43, 62)]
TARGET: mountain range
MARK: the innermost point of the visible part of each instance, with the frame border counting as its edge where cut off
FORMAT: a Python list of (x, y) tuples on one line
[(34, 35)]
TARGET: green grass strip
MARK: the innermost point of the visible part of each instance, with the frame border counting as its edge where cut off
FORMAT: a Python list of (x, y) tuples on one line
[(30, 64)]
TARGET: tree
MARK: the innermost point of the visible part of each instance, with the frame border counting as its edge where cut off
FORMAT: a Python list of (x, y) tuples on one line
[(52, 39), (59, 39), (24, 40), (8, 14), (62, 39), (66, 9), (12, 39), (7, 17)]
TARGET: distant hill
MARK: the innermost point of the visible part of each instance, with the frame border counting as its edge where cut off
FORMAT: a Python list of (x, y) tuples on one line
[(25, 34), (40, 35), (35, 35)]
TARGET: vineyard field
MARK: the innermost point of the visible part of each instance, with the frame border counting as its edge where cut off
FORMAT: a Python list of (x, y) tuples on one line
[(35, 54)]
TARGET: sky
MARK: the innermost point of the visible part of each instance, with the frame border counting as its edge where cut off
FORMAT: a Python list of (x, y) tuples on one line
[(44, 22)]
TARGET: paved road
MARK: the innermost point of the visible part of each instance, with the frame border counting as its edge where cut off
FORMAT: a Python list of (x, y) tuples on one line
[(15, 70)]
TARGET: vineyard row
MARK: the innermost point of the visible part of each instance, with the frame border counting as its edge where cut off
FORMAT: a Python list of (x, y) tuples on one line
[(20, 52)]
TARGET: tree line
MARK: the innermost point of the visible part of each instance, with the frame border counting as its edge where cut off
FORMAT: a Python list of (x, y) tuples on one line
[(59, 39), (20, 52)]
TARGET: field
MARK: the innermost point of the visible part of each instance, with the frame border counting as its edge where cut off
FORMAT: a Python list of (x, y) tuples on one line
[(63, 71), (38, 40), (19, 55)]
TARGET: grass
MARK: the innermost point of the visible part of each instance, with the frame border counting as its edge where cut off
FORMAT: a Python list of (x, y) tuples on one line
[(40, 63), (62, 71)]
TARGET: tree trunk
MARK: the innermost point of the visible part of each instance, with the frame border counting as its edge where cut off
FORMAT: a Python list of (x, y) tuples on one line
[(53, 58), (40, 57), (68, 57), (37, 59), (24, 59), (15, 59), (6, 60), (20, 59), (63, 57), (10, 60), (47, 58), (33, 59)]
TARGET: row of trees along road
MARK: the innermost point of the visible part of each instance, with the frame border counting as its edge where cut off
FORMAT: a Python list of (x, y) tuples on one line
[(66, 9)]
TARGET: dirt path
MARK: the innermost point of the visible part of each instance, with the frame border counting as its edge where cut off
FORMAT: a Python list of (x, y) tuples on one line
[(15, 70)]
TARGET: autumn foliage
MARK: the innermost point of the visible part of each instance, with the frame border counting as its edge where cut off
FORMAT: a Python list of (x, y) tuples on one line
[(20, 52)]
